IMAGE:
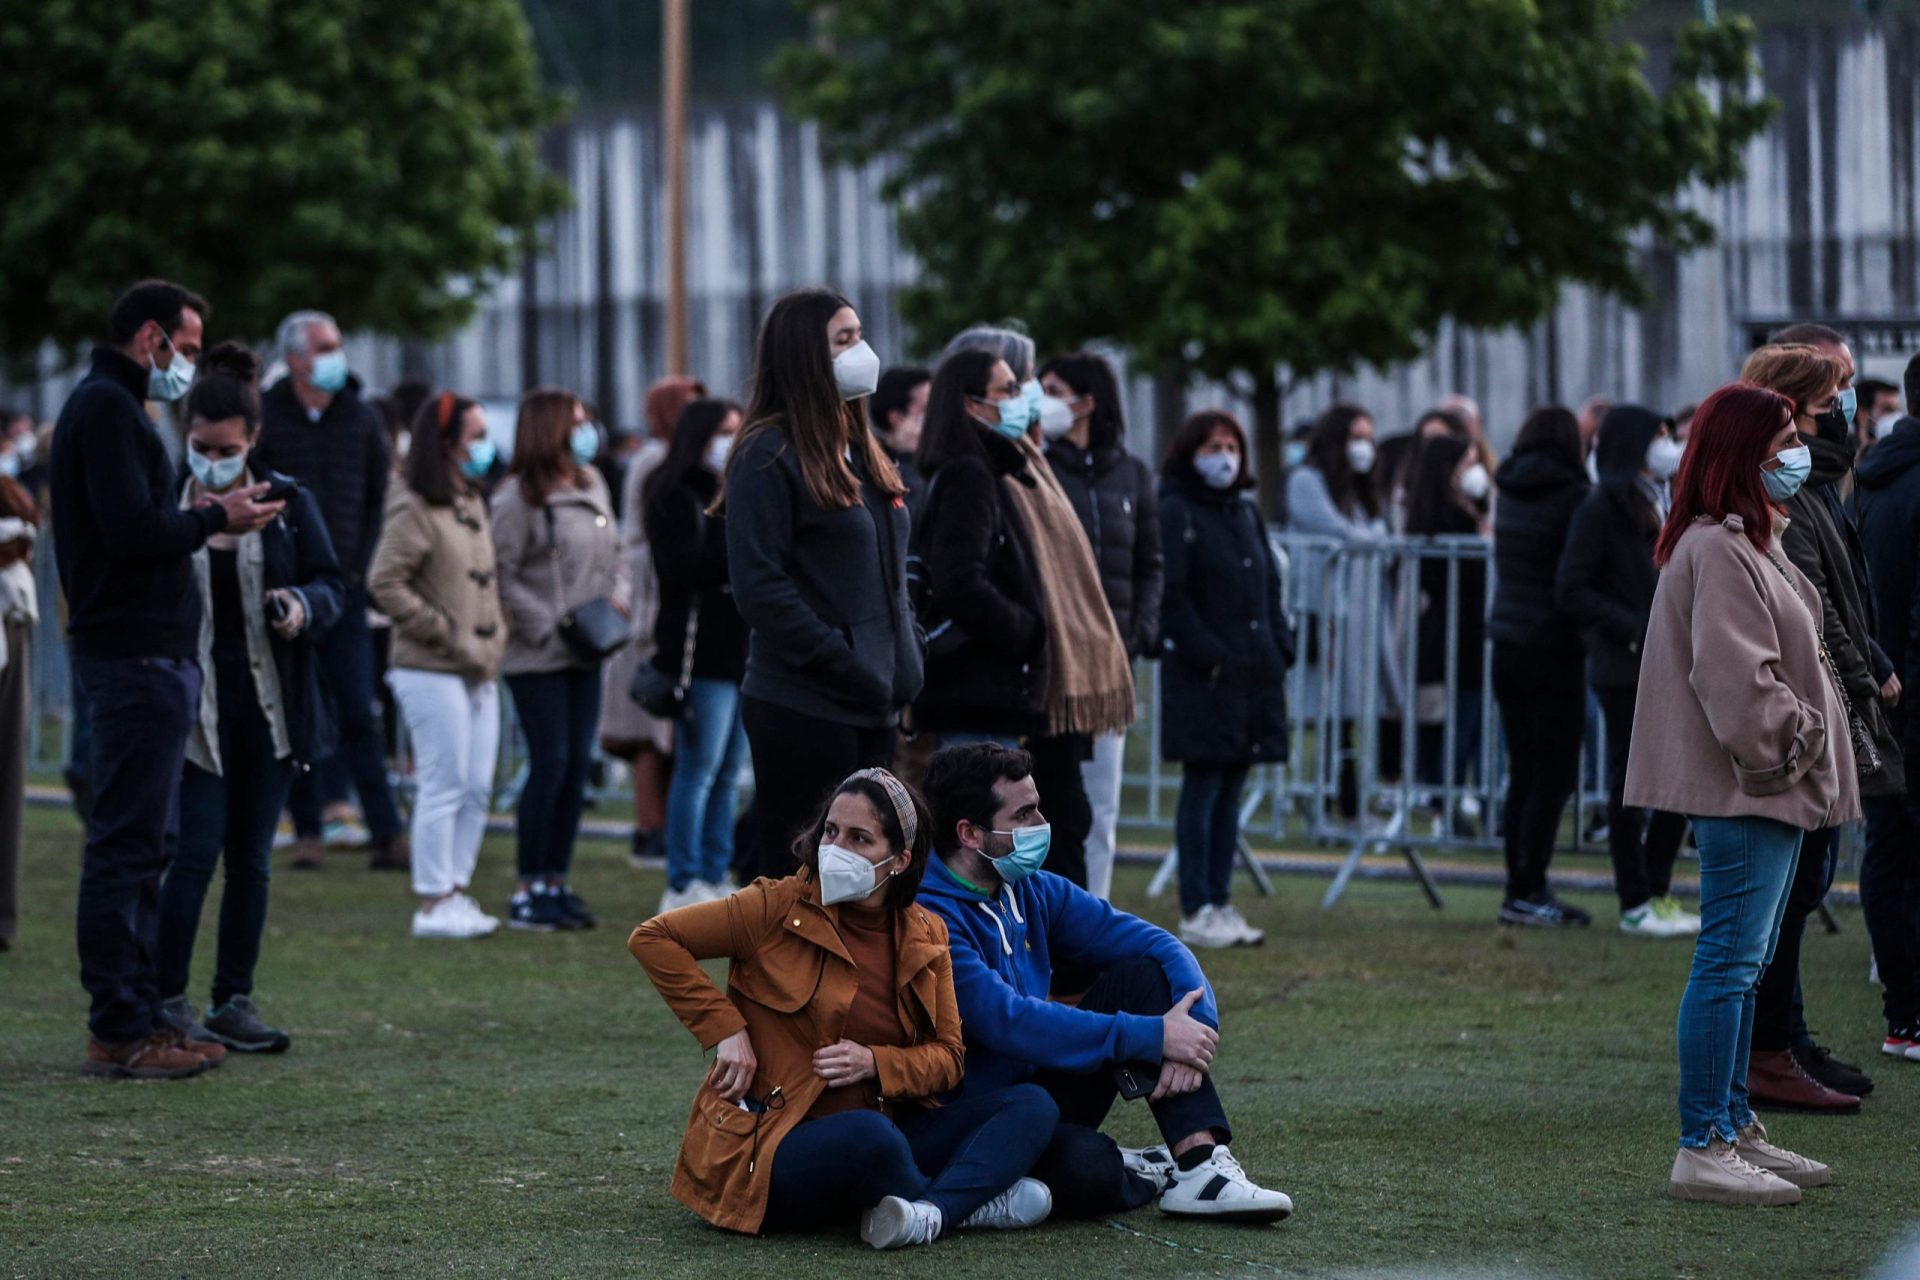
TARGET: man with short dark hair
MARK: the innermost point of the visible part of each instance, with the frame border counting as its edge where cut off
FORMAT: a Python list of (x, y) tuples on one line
[(1879, 410), (124, 548), (1148, 1027), (315, 427), (897, 408)]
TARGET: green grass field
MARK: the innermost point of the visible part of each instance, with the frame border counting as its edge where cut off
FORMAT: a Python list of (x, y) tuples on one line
[(1439, 1097)]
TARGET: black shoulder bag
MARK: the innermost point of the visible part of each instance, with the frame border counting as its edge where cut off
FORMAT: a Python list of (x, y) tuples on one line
[(591, 631)]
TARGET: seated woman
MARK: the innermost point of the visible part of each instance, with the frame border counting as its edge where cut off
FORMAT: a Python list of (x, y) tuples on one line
[(786, 1136)]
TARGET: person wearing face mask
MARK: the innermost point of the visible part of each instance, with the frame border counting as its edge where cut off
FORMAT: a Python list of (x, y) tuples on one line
[(701, 648), (1605, 583), (1740, 724), (1226, 645), (1113, 494), (1147, 1027), (435, 576), (1822, 543), (817, 560), (558, 554), (133, 625), (819, 1108), (317, 428), (263, 597), (898, 411)]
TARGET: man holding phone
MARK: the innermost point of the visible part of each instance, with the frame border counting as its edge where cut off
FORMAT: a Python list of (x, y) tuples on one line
[(1148, 1027), (125, 551)]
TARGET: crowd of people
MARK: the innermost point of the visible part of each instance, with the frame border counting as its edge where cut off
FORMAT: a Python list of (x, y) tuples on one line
[(912, 602)]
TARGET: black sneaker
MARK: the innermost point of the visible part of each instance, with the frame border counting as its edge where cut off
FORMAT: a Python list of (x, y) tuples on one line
[(1543, 911), (533, 912), (1842, 1077), (573, 912), (178, 1013), (237, 1025)]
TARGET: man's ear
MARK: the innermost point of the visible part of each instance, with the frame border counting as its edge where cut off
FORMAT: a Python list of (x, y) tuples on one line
[(970, 836)]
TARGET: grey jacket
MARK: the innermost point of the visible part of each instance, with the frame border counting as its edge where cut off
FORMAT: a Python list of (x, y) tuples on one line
[(552, 559)]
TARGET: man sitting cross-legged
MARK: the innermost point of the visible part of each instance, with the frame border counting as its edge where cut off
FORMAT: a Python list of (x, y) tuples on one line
[(1147, 1025)]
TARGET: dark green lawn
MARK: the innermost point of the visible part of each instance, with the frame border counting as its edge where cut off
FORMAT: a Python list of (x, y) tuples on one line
[(1436, 1094)]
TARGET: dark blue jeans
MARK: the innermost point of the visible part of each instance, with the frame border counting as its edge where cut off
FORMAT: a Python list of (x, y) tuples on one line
[(559, 715), (225, 817), (345, 654), (956, 1157), (142, 709), (1207, 826)]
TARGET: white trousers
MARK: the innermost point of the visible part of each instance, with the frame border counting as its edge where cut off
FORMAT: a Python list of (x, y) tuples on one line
[(1101, 776), (455, 728)]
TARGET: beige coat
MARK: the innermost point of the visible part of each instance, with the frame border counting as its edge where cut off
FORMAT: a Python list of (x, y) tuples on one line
[(434, 576), (1737, 715), (546, 569)]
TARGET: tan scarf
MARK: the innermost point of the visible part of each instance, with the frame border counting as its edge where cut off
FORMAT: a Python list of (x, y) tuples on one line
[(1089, 679)]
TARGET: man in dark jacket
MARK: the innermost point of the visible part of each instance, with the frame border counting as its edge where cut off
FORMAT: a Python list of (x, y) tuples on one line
[(896, 410), (317, 429), (125, 551), (1888, 498)]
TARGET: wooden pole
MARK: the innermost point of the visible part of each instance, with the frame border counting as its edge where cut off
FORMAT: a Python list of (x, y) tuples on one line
[(673, 118)]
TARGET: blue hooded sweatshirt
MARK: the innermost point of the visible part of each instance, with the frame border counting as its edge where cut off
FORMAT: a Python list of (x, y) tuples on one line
[(1003, 950)]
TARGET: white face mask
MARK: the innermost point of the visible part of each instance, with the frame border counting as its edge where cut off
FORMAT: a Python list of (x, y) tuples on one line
[(216, 474), (1475, 483), (856, 371), (1360, 456), (1056, 417), (717, 450), (1663, 457), (845, 876), (1219, 470)]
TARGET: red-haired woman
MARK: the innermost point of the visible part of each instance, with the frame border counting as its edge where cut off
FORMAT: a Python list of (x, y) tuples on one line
[(1740, 725)]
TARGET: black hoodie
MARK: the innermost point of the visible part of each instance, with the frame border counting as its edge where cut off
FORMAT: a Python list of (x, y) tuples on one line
[(1606, 577), (1887, 508), (1538, 494)]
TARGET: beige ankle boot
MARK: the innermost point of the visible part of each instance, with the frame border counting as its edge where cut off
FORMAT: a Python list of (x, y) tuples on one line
[(1720, 1175), (1797, 1169)]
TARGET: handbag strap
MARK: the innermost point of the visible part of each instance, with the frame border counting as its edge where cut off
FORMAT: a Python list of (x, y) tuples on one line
[(1826, 658), (553, 553)]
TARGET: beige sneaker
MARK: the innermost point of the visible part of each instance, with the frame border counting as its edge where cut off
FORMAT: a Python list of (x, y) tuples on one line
[(1720, 1175), (1797, 1169)]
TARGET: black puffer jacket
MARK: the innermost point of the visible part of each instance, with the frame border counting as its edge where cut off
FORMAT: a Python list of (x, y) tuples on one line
[(986, 622), (342, 457), (1226, 642), (689, 551), (1113, 494), (1538, 495), (1606, 578), (1887, 506)]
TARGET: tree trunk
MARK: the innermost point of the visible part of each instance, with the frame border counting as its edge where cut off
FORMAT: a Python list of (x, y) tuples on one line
[(1169, 406), (1268, 434)]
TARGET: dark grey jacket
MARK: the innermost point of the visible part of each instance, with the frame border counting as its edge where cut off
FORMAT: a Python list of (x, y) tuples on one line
[(824, 593), (1113, 494)]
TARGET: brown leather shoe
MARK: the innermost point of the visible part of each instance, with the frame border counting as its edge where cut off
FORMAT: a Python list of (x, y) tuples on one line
[(394, 855), (307, 853), (1776, 1080), (212, 1052), (158, 1057)]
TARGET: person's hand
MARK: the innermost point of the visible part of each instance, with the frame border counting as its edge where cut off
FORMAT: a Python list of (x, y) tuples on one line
[(244, 514), (1184, 1039), (294, 621), (1176, 1078), (1890, 691), (733, 1067), (844, 1064)]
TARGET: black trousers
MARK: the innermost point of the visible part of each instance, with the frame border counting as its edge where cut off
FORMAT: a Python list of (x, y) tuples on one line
[(1890, 901), (1543, 699), (1775, 997), (1644, 842), (1082, 1166), (1063, 798), (798, 760)]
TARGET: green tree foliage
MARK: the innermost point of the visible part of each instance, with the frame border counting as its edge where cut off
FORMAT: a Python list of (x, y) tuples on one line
[(1309, 184), (374, 157)]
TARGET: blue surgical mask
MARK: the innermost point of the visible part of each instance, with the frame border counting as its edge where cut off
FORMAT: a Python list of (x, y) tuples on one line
[(1015, 414), (480, 455), (172, 382), (330, 371), (215, 473), (1796, 464), (584, 443), (9, 465), (1294, 454), (1030, 846), (1849, 401)]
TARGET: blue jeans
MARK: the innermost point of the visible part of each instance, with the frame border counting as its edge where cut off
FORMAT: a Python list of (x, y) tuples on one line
[(345, 654), (1746, 866), (956, 1157), (142, 710), (227, 817), (1207, 827), (559, 715), (705, 789)]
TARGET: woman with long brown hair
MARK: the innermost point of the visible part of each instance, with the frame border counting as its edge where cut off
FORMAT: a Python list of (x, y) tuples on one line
[(817, 551), (558, 554)]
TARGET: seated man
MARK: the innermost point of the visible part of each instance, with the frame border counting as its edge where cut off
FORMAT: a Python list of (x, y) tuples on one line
[(1147, 1027)]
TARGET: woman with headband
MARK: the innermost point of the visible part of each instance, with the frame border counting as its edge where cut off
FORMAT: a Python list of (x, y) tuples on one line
[(787, 1136), (434, 576)]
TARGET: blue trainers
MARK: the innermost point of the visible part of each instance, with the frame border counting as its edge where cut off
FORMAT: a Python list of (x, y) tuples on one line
[(573, 911), (535, 912)]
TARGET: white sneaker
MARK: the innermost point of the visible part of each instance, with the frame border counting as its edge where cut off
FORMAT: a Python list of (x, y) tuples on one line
[(674, 899), (1155, 1164), (1644, 922), (895, 1223), (1204, 928), (473, 908), (1024, 1204), (1682, 923), (447, 919), (710, 891), (1218, 1187), (1231, 921)]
